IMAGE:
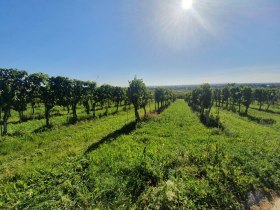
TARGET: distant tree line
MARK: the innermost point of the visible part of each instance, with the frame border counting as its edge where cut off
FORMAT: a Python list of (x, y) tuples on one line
[(18, 89), (229, 97), (163, 97), (200, 99)]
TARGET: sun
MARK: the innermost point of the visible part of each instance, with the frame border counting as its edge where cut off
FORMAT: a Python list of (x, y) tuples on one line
[(187, 4)]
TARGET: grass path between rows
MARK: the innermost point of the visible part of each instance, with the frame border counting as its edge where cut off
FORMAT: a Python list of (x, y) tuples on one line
[(176, 162)]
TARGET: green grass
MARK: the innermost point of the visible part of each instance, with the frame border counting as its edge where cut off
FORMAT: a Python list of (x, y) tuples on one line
[(22, 153), (59, 117), (171, 161), (176, 162)]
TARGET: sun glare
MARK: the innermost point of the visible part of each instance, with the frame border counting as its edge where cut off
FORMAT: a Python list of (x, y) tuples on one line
[(187, 4)]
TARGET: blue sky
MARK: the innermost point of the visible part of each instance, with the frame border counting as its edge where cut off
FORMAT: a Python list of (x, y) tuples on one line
[(111, 41)]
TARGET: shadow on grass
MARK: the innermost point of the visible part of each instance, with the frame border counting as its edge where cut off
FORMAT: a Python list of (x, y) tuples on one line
[(213, 122), (128, 128), (72, 121), (27, 118), (268, 111), (15, 134), (43, 129), (162, 108), (258, 119)]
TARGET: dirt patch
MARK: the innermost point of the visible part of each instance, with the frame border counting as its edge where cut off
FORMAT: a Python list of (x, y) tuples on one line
[(276, 204), (265, 204)]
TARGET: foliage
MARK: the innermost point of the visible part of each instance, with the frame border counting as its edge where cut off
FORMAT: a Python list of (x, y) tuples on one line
[(247, 98), (18, 90), (201, 100), (163, 97), (12, 92), (137, 94)]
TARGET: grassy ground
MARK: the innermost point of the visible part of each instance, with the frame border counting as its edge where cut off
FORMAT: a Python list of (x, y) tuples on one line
[(29, 160), (171, 161), (42, 149), (59, 117)]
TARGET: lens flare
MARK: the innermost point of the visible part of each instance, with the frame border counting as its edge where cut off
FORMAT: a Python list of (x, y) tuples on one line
[(187, 4)]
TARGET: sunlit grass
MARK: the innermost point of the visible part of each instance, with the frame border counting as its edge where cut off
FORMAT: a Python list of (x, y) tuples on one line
[(170, 161)]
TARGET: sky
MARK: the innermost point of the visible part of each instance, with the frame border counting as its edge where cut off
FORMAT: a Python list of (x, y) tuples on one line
[(109, 41)]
